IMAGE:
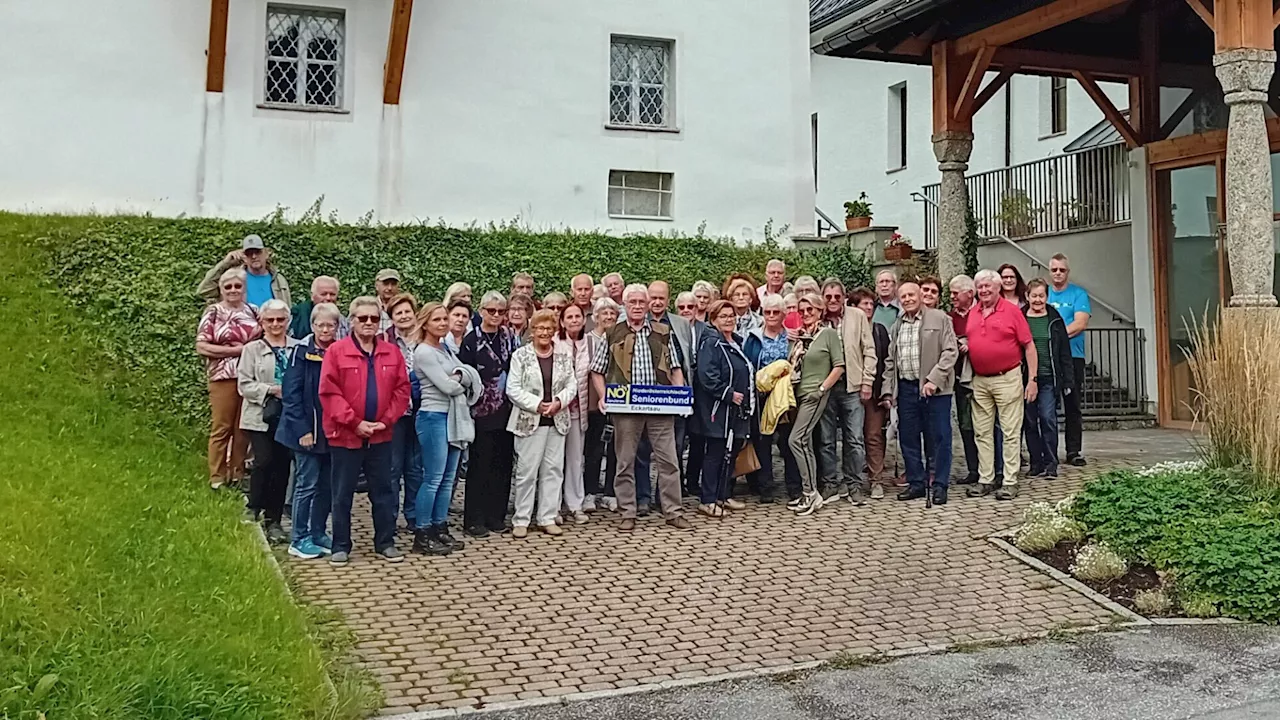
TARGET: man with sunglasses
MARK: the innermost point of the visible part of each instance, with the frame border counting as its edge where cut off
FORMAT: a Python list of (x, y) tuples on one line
[(1072, 303), (843, 418), (263, 281)]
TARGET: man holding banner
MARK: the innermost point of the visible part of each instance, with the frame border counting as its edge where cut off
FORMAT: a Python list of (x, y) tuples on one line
[(638, 378)]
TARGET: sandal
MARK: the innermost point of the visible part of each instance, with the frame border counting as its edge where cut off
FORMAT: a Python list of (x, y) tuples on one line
[(714, 511)]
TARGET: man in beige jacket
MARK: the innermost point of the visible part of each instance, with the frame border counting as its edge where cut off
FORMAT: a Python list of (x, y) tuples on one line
[(844, 413)]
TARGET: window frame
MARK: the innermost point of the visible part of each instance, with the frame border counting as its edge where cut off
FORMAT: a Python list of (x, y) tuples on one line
[(896, 124), (668, 46), (667, 178), (1057, 105), (304, 61)]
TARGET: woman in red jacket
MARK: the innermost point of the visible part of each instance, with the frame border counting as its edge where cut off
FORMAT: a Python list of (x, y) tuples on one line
[(364, 389)]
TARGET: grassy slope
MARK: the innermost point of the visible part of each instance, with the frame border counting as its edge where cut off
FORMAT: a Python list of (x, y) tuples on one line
[(126, 588)]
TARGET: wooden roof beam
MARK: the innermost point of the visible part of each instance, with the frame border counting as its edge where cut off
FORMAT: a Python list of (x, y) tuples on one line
[(992, 88), (1109, 110), (964, 106), (397, 46), (1179, 114), (916, 45), (216, 54), (1204, 13), (1045, 17)]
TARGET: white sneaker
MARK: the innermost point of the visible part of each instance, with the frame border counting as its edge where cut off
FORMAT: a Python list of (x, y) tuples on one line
[(794, 505), (589, 504), (581, 518), (609, 503), (813, 503), (877, 492)]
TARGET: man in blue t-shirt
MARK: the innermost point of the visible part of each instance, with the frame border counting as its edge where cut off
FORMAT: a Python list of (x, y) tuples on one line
[(262, 280), (1072, 303)]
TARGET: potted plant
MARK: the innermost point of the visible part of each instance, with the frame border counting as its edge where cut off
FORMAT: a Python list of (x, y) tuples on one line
[(897, 248), (857, 213)]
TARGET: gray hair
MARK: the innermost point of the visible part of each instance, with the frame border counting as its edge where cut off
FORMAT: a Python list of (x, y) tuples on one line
[(557, 296), (805, 282), (775, 263), (605, 279), (599, 291), (686, 296), (773, 302), (235, 272), (963, 283), (491, 297), (454, 290), (325, 310), (705, 286), (601, 305), (364, 301), (888, 272), (632, 289), (324, 279), (274, 305), (987, 275)]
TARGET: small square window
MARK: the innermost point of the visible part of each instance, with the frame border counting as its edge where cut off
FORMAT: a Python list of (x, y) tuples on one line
[(640, 82), (640, 194), (305, 54)]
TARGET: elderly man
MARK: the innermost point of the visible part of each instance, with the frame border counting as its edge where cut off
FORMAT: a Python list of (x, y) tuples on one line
[(521, 284), (919, 374), (324, 289), (364, 390), (998, 338), (843, 418), (1072, 303), (640, 351), (387, 284), (775, 274), (888, 308), (581, 288), (962, 296), (614, 285), (262, 281)]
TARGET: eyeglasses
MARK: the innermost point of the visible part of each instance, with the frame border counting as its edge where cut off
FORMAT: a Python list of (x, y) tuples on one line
[(367, 318), (836, 296), (686, 307), (773, 312), (233, 286), (811, 309), (544, 328), (324, 326), (1057, 270), (494, 311), (273, 320)]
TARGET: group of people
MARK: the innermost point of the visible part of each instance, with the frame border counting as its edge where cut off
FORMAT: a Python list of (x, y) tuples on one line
[(401, 397)]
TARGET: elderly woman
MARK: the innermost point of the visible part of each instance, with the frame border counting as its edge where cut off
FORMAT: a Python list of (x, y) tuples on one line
[(224, 329), (555, 302), (875, 410), (599, 443), (766, 345), (687, 308), (724, 400), (457, 291), (459, 323), (740, 291), (406, 452), (572, 338), (705, 293), (441, 379), (488, 349), (519, 308), (817, 364), (541, 386), (260, 381), (301, 430)]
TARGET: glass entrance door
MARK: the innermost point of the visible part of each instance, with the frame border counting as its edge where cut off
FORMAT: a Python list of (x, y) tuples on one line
[(1189, 210)]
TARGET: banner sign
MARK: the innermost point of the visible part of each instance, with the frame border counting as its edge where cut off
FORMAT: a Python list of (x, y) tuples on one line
[(649, 399)]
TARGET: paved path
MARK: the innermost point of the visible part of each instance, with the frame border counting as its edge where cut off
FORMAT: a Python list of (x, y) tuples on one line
[(597, 610), (1166, 673)]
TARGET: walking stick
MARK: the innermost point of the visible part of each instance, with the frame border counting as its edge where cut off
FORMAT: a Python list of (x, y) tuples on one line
[(725, 482)]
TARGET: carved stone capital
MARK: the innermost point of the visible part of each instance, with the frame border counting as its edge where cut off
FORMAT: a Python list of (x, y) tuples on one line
[(1245, 74), (953, 150)]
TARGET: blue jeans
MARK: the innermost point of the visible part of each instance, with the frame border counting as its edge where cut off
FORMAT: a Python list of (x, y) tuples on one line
[(919, 416), (406, 465), (375, 461), (842, 421), (439, 469), (312, 494), (1040, 420)]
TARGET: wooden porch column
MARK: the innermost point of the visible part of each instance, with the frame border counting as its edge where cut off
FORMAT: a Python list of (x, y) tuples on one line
[(1245, 61)]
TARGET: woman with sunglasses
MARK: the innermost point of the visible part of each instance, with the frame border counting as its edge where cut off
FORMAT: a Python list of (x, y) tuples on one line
[(224, 329), (817, 364), (488, 349), (764, 346), (260, 381)]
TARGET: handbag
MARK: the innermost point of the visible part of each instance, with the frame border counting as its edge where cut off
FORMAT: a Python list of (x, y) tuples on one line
[(272, 409), (746, 462)]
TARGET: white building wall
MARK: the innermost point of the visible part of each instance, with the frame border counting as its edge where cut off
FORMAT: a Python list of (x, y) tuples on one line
[(851, 98), (502, 115)]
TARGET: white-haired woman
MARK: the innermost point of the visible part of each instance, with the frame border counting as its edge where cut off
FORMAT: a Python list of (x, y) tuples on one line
[(260, 381), (807, 283), (599, 443), (705, 293), (224, 329), (740, 292), (488, 349)]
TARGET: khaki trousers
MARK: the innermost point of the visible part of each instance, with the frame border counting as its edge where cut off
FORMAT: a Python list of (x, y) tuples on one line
[(226, 443), (998, 396), (661, 429)]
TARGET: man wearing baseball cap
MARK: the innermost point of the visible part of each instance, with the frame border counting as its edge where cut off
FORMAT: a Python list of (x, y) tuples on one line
[(263, 281), (387, 283)]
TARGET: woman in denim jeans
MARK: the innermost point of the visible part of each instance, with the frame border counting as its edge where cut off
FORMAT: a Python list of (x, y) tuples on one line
[(406, 452), (441, 379), (1055, 377)]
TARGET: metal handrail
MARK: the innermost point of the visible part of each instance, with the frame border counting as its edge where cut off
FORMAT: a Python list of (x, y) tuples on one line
[(825, 217), (1093, 297)]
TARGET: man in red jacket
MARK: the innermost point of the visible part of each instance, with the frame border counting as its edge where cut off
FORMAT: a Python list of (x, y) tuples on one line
[(364, 389)]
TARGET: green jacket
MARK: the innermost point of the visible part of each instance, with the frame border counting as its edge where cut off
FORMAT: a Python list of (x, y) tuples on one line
[(208, 287)]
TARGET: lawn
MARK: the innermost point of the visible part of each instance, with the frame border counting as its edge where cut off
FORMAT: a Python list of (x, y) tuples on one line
[(127, 589)]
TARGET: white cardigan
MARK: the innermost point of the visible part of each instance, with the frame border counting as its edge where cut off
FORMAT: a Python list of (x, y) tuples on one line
[(524, 388)]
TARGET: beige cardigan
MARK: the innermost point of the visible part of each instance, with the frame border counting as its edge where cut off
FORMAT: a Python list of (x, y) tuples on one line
[(938, 352), (255, 377), (855, 333)]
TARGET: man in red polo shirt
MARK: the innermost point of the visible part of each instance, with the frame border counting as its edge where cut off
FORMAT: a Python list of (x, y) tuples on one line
[(998, 338)]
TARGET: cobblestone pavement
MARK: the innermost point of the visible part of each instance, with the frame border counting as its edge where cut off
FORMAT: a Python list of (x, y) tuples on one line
[(595, 609)]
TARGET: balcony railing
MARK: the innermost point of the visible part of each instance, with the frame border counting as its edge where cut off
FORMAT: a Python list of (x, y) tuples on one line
[(1115, 372), (1065, 192)]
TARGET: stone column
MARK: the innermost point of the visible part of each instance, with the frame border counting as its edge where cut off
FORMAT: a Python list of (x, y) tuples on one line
[(952, 148), (1245, 75)]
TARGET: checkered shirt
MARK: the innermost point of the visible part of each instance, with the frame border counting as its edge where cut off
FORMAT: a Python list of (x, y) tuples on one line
[(909, 346)]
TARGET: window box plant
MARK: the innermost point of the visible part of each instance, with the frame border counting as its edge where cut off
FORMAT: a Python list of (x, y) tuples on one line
[(857, 213), (897, 248)]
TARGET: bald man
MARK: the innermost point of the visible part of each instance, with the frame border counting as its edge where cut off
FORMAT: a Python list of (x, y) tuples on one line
[(581, 288)]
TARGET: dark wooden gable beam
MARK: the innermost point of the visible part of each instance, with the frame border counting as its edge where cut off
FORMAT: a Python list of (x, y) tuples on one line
[(216, 60), (1029, 23), (1109, 110), (397, 45)]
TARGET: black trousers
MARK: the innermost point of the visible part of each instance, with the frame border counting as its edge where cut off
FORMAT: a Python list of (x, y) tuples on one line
[(598, 452), (1075, 419), (270, 479), (697, 445), (489, 479), (964, 417)]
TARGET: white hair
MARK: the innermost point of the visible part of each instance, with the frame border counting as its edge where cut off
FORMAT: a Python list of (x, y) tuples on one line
[(604, 280), (602, 304), (704, 286), (804, 282), (686, 296), (987, 275), (274, 305), (775, 263), (364, 301), (319, 279), (773, 302), (235, 272), (632, 289), (962, 283), (492, 296), (325, 310), (890, 273)]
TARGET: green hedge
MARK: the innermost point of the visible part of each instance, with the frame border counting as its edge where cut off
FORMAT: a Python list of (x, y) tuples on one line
[(135, 277)]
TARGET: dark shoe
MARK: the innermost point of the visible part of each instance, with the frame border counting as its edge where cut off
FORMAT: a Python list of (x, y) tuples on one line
[(426, 542), (442, 534), (627, 525), (999, 483), (1035, 472), (276, 534), (642, 511), (1051, 472), (939, 495), (970, 479), (1007, 493), (498, 528), (477, 531), (362, 486), (680, 523), (911, 494), (1076, 460), (980, 490)]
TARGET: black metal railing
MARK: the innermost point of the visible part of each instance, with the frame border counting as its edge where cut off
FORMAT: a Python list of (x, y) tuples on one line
[(1115, 372), (1065, 192)]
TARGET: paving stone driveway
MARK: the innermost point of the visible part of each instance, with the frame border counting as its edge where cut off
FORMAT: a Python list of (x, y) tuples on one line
[(596, 609)]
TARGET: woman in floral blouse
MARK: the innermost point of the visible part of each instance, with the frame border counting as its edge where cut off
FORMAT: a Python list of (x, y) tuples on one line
[(225, 328)]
